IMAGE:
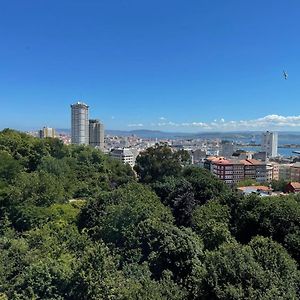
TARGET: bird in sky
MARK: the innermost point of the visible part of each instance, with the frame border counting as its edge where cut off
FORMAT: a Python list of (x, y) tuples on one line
[(285, 75)]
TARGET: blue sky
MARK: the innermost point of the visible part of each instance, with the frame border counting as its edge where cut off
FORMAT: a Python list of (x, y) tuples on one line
[(171, 65)]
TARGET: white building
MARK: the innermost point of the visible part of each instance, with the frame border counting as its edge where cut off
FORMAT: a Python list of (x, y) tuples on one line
[(96, 134), (80, 123), (124, 155), (269, 143)]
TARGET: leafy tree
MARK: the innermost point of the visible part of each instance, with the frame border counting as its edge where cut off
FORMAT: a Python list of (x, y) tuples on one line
[(211, 222), (247, 182), (275, 217), (37, 188), (260, 270), (143, 286), (26, 217), (178, 194), (279, 185), (9, 167), (168, 249), (115, 216), (97, 277), (159, 161), (205, 185)]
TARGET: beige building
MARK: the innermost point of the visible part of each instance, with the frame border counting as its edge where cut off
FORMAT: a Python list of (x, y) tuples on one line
[(47, 132), (272, 171)]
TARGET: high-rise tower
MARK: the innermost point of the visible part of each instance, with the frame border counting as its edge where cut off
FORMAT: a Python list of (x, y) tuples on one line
[(269, 143), (96, 134), (80, 123)]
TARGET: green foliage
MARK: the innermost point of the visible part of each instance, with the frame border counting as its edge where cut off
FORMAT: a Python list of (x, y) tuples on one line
[(96, 276), (168, 249), (275, 217), (178, 194), (260, 270), (28, 216), (159, 161), (279, 185), (205, 185), (9, 167), (247, 182), (37, 188), (116, 215), (74, 224), (211, 222)]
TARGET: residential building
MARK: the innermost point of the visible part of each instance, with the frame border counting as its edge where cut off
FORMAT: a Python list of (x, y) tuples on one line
[(124, 155), (270, 143), (275, 170), (255, 169), (285, 172), (233, 171), (80, 123), (295, 172), (269, 173), (47, 132), (96, 134)]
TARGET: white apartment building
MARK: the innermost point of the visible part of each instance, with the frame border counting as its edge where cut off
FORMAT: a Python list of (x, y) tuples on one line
[(124, 155)]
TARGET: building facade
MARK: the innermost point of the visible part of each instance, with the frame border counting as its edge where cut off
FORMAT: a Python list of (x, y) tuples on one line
[(47, 132), (80, 123), (96, 134), (233, 171), (285, 172), (124, 155), (269, 143), (295, 172)]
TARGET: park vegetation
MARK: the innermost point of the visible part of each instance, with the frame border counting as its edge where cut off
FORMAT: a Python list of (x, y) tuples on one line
[(75, 224)]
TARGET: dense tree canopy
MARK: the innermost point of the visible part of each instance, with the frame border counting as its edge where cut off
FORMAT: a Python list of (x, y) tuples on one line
[(159, 161), (75, 224)]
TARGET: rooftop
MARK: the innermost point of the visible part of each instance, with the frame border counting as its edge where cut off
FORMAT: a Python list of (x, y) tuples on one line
[(295, 185)]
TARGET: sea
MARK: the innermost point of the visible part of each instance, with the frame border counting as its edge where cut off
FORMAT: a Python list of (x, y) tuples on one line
[(286, 152)]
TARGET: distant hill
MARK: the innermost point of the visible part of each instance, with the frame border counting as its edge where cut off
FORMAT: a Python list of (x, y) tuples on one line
[(143, 133), (243, 136)]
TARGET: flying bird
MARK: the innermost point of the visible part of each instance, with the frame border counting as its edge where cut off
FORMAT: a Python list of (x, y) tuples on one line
[(285, 75)]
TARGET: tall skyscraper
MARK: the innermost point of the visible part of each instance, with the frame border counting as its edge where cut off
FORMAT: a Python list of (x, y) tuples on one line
[(80, 123), (269, 143), (47, 132), (96, 134)]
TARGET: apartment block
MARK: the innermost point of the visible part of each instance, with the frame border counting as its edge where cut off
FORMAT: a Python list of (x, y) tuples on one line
[(233, 171)]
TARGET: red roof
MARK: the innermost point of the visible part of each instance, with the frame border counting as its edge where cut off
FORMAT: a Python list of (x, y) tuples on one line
[(257, 187), (295, 185)]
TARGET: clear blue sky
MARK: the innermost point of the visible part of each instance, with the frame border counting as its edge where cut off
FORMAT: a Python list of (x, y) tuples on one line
[(172, 65)]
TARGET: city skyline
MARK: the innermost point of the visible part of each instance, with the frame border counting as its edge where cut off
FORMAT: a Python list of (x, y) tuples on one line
[(170, 67)]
